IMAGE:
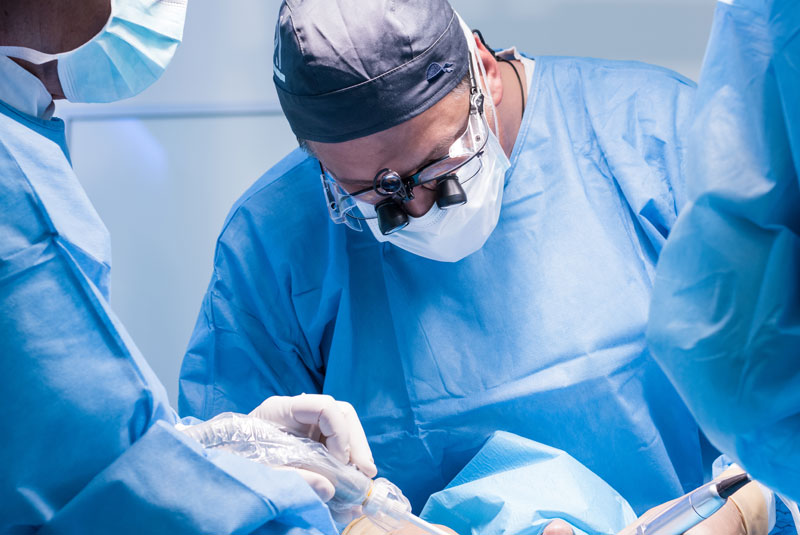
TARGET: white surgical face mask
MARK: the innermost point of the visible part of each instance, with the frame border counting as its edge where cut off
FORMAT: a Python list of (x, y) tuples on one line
[(455, 233), (125, 58)]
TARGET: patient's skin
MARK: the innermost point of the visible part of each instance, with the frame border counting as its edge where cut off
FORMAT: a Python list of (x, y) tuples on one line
[(413, 530), (556, 527)]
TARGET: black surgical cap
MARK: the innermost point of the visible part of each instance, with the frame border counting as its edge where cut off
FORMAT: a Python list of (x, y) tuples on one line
[(345, 69)]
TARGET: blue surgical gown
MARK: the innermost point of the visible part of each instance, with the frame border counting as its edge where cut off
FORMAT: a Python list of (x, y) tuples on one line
[(725, 318), (540, 333), (89, 442)]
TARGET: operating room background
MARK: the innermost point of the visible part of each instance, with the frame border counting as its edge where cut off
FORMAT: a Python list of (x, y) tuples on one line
[(164, 168)]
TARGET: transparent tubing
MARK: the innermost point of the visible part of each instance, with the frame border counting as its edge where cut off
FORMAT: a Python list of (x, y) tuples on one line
[(264, 442), (386, 506)]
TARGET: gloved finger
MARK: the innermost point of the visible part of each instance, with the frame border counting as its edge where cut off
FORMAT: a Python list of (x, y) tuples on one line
[(360, 453), (346, 515), (632, 528), (302, 413), (318, 414), (323, 487), (278, 410), (727, 520), (327, 414), (345, 438), (558, 527)]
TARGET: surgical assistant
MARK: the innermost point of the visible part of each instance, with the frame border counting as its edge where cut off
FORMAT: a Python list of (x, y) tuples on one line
[(90, 445), (539, 332), (725, 318)]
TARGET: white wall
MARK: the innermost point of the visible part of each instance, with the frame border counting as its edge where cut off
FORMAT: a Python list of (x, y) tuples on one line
[(164, 168)]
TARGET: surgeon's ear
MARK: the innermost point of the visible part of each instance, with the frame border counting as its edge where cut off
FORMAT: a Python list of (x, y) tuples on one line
[(492, 69)]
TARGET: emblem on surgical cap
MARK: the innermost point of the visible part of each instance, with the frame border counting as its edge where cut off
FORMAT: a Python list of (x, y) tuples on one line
[(435, 70), (276, 61)]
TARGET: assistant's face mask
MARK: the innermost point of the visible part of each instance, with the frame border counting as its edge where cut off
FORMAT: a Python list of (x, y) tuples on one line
[(449, 235), (128, 55)]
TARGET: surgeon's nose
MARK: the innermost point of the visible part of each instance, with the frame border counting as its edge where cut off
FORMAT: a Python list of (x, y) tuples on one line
[(422, 202)]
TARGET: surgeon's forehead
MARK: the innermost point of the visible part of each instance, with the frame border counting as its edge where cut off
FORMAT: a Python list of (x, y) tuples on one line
[(403, 148)]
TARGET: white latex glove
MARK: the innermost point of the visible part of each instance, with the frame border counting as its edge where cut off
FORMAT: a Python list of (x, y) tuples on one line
[(745, 513), (319, 484), (322, 418)]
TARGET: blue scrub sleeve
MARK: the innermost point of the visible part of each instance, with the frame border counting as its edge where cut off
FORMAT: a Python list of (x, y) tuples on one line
[(167, 483), (642, 132), (247, 343), (725, 316), (90, 445)]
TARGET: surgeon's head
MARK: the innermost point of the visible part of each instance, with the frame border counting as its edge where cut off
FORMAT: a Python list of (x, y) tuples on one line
[(403, 107), (92, 50), (51, 26)]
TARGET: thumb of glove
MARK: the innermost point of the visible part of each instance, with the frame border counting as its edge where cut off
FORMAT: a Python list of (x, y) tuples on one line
[(319, 484)]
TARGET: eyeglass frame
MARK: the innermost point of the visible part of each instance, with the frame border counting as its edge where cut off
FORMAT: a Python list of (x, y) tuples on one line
[(405, 190)]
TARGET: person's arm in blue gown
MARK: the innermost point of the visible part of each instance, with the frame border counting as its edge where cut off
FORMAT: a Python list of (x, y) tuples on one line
[(90, 445), (248, 342), (725, 316)]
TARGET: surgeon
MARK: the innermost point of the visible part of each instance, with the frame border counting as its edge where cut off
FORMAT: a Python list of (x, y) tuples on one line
[(466, 245), (90, 444), (725, 317)]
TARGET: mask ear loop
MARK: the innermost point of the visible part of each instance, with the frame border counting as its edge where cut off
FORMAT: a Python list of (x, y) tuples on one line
[(477, 67), (504, 60), (30, 55)]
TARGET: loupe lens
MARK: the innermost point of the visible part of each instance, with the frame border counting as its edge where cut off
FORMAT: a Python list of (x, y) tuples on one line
[(391, 216), (450, 193), (389, 183)]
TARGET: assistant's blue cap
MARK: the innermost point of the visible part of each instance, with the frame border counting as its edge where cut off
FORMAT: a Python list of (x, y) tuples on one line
[(345, 69)]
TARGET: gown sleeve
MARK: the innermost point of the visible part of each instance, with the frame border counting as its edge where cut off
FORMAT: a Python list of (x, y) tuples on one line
[(725, 316), (640, 117), (248, 343), (89, 440)]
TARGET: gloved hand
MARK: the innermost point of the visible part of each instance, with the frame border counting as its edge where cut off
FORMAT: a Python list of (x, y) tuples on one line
[(322, 418), (745, 513), (726, 521)]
